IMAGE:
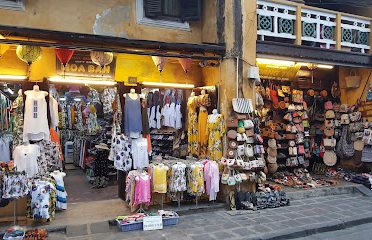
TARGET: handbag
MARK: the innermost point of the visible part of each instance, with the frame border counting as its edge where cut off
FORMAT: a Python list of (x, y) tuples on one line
[(301, 149), (242, 105), (249, 132), (329, 158), (297, 96), (249, 150), (329, 123), (355, 116), (231, 134), (345, 147), (257, 149), (232, 123), (239, 161), (225, 176), (355, 126), (241, 150), (248, 124), (329, 131), (329, 142), (238, 178), (274, 95)]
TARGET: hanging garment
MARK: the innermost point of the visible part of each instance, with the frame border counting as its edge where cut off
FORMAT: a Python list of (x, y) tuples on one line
[(159, 178), (5, 148), (108, 97), (192, 126), (15, 185), (203, 137), (121, 150), (178, 124), (132, 114), (178, 178), (60, 187), (46, 159), (215, 132), (53, 110), (158, 117), (100, 166), (40, 199), (79, 116), (63, 115), (145, 119), (139, 153), (25, 159), (35, 126), (212, 179), (142, 190), (55, 138), (196, 179), (17, 111)]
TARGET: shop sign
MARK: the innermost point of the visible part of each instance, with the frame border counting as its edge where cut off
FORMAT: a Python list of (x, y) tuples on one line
[(81, 65), (152, 223)]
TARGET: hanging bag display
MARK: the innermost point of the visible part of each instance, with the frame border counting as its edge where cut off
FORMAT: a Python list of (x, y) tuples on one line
[(242, 105), (249, 150), (231, 180)]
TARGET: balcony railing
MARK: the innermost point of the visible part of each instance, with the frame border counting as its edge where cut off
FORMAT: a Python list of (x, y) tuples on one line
[(280, 20)]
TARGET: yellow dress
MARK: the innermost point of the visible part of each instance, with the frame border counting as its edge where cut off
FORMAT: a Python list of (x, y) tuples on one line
[(203, 103), (215, 132), (160, 179), (192, 126), (196, 180)]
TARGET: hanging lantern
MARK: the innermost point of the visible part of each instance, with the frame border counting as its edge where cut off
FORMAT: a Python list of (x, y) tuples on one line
[(159, 62), (101, 58), (3, 49), (28, 54), (185, 63), (64, 55)]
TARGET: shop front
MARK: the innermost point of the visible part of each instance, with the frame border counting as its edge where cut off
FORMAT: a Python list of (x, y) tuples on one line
[(82, 123)]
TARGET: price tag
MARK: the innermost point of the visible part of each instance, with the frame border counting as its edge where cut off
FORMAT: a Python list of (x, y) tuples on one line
[(152, 223)]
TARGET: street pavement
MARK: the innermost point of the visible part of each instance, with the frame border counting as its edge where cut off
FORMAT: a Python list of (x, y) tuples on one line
[(301, 218), (360, 232)]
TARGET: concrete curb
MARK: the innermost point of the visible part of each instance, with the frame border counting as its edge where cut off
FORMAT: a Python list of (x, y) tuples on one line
[(312, 229)]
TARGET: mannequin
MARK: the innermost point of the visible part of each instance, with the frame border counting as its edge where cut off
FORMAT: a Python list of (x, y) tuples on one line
[(192, 94), (192, 125), (20, 92), (36, 88), (132, 94), (202, 107), (212, 117)]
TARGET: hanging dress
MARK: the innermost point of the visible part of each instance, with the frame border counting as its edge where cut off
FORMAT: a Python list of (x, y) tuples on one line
[(35, 126), (215, 132), (196, 179), (203, 103), (132, 115), (192, 126), (17, 111)]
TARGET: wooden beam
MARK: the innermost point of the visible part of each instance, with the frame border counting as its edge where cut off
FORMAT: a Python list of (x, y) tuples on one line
[(298, 25), (338, 31)]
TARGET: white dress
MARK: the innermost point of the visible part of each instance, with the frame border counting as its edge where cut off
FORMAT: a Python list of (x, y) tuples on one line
[(139, 153), (53, 106), (61, 191), (35, 126), (25, 159), (178, 117)]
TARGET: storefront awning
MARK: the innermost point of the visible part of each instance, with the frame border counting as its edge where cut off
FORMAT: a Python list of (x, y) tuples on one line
[(312, 54), (90, 42)]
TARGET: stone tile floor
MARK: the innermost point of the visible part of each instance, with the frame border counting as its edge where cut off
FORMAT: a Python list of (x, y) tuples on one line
[(329, 213)]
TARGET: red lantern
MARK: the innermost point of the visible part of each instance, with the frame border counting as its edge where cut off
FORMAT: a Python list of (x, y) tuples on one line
[(185, 63), (64, 55)]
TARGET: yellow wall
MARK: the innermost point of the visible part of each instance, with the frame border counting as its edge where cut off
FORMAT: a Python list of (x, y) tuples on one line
[(127, 65), (350, 96), (144, 69), (115, 18), (211, 76)]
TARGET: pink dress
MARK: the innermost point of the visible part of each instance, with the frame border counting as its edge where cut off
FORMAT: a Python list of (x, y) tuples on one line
[(212, 179), (142, 190)]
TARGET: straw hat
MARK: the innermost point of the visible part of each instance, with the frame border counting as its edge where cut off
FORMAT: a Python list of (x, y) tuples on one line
[(272, 143), (102, 146)]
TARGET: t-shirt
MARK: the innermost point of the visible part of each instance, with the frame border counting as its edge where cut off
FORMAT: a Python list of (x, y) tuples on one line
[(139, 153), (35, 126), (25, 159)]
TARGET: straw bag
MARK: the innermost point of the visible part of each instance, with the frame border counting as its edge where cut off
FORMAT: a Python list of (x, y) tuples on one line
[(329, 158), (242, 105)]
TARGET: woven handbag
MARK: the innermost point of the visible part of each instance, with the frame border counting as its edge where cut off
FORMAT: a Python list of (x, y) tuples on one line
[(242, 105)]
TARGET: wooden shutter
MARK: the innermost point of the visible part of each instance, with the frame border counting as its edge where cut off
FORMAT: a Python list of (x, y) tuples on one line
[(191, 10), (152, 8)]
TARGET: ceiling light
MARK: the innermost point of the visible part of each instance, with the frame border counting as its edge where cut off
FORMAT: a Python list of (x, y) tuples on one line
[(171, 85), (314, 65), (13, 77), (325, 66), (77, 99), (275, 62), (62, 99), (10, 91), (76, 80)]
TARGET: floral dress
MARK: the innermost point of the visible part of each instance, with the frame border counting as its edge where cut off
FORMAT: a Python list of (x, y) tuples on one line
[(108, 97), (215, 131), (18, 121), (192, 130), (196, 179), (121, 149), (178, 178)]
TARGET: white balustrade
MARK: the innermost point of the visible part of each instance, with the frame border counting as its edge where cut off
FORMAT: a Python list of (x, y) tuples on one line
[(275, 20), (355, 32)]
